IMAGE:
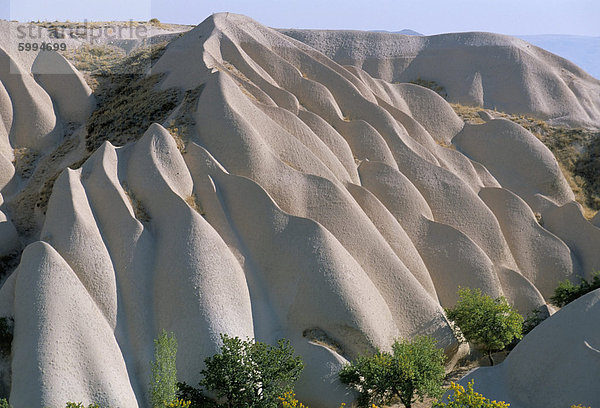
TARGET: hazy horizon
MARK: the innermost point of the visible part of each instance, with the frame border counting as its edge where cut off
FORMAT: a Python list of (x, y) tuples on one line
[(512, 17)]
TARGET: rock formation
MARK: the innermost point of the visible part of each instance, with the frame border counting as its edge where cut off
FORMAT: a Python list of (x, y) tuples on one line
[(307, 200)]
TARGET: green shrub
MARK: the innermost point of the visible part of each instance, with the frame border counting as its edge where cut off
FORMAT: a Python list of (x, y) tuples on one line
[(490, 324), (163, 386), (4, 403), (468, 398), (566, 291), (80, 405), (414, 370), (195, 396), (434, 86), (251, 374), (532, 320), (6, 336)]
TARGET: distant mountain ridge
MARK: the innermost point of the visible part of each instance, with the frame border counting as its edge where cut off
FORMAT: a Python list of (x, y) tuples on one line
[(406, 31)]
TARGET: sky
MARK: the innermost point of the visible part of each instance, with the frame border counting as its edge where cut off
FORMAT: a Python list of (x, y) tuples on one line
[(514, 17)]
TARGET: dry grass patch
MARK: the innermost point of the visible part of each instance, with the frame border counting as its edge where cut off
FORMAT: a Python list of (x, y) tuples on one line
[(446, 145), (178, 136), (138, 208), (94, 60), (129, 101), (469, 114), (193, 203), (182, 123), (24, 161)]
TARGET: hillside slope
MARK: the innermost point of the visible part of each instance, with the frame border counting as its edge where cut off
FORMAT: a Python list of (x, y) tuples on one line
[(481, 69), (582, 50), (279, 195)]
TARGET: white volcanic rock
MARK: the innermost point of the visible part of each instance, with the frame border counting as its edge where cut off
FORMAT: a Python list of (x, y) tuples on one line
[(64, 349), (34, 124), (539, 253), (72, 230), (567, 223), (311, 202), (482, 69), (65, 85), (516, 158), (9, 239), (556, 365), (7, 171)]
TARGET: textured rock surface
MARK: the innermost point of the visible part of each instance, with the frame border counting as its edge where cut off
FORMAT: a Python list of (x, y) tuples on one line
[(311, 201)]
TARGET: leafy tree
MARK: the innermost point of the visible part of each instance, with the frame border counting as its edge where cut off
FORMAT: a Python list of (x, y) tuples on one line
[(163, 386), (414, 370), (489, 323), (251, 374), (566, 292), (533, 319), (6, 335), (4, 403), (195, 396), (468, 399)]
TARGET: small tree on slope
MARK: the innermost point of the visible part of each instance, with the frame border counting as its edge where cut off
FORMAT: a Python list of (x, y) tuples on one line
[(164, 372), (414, 370), (491, 324), (251, 374)]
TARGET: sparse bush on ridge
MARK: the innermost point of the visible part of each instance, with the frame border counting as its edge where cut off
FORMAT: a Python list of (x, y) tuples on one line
[(128, 101), (414, 370), (490, 324), (566, 291), (434, 86), (124, 117)]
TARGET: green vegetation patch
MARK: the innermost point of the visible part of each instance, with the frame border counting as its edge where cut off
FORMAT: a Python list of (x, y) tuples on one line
[(6, 336), (414, 370), (434, 86), (566, 292), (491, 324)]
